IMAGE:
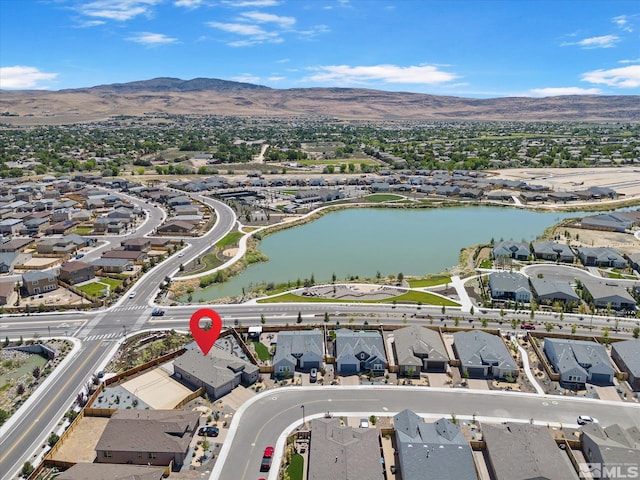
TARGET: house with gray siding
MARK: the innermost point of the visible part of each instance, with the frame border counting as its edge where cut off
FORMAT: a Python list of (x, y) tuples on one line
[(509, 286), (519, 451), (35, 282), (615, 447), (483, 355), (610, 295), (218, 372), (419, 349), (552, 251), (509, 249), (579, 362), (338, 452), (432, 450), (297, 350), (551, 291), (626, 355), (359, 351), (601, 257)]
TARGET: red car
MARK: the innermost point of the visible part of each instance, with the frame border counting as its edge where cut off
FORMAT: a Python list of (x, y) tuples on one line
[(268, 452), (527, 326)]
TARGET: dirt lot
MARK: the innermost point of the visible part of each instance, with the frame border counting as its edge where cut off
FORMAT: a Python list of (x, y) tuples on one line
[(157, 389), (81, 443)]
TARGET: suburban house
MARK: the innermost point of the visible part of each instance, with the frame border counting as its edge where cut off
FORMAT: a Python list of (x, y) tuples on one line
[(601, 257), (182, 227), (634, 261), (107, 471), (356, 452), (626, 355), (551, 291), (432, 450), (7, 261), (35, 282), (113, 265), (579, 362), (56, 246), (509, 286), (147, 437), (611, 447), (8, 294), (218, 372), (76, 272), (359, 351), (138, 244), (610, 295), (300, 349), (15, 245), (517, 451), (11, 226), (508, 249), (61, 228), (132, 255), (483, 355), (552, 251), (419, 349), (612, 222)]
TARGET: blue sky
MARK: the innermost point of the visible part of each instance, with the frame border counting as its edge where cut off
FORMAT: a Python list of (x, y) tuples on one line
[(462, 48)]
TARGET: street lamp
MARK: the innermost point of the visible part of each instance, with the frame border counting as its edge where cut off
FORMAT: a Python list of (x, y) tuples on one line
[(302, 407)]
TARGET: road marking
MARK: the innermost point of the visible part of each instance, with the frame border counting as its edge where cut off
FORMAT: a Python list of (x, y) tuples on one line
[(51, 402)]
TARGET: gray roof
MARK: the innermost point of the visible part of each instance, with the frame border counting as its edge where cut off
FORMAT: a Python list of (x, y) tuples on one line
[(553, 289), (552, 248), (478, 348), (508, 282), (343, 453), (603, 290), (111, 471), (629, 353), (216, 368), (297, 342), (524, 452), (617, 444), (572, 354), (415, 343), (432, 450), (37, 275), (508, 248), (350, 343)]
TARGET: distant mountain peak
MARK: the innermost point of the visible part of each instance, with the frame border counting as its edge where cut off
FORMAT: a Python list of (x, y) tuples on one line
[(169, 84)]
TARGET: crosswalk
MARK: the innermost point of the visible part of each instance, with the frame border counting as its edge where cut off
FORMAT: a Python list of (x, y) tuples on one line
[(104, 336), (129, 308)]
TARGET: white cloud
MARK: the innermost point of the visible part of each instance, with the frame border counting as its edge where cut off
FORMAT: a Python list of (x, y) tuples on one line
[(255, 33), (623, 77), (604, 41), (152, 39), (120, 10), (188, 3), (260, 17), (90, 23), (345, 74), (276, 79), (20, 76), (313, 31), (246, 78), (631, 60), (252, 3), (623, 23), (558, 91)]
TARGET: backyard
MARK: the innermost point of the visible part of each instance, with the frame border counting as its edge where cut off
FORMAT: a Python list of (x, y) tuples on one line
[(100, 287)]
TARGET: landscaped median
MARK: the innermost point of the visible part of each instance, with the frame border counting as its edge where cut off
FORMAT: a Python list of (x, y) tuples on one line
[(412, 296)]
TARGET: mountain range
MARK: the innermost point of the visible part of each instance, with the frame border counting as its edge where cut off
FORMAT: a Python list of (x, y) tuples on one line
[(205, 96)]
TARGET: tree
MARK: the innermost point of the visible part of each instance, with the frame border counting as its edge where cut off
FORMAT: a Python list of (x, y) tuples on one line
[(400, 277), (443, 309), (262, 319), (299, 318), (3, 416), (636, 332), (27, 469), (485, 322), (574, 327), (472, 310), (548, 326), (326, 317), (514, 323), (53, 438)]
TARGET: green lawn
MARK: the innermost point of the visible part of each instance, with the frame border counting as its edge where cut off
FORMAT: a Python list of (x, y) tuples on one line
[(95, 289), (229, 240), (296, 467), (382, 197), (262, 351), (429, 282), (486, 263), (83, 230), (411, 296), (112, 282)]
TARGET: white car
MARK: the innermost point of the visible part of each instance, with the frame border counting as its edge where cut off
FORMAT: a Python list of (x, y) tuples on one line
[(364, 423), (132, 295), (585, 419), (181, 254)]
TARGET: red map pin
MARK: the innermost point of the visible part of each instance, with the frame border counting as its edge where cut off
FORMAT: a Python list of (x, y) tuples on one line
[(205, 338)]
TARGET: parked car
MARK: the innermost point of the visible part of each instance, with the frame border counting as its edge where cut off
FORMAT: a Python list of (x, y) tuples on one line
[(268, 452), (211, 431), (79, 256), (364, 423), (584, 419), (265, 465), (313, 375), (527, 326), (157, 312)]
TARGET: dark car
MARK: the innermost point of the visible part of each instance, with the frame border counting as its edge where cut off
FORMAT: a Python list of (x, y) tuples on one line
[(265, 465), (527, 326), (157, 313), (209, 431)]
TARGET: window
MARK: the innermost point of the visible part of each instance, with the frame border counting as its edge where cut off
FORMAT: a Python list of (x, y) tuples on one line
[(152, 455), (107, 454)]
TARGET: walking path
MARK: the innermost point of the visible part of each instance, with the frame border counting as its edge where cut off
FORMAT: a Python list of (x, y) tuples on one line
[(527, 369), (465, 301)]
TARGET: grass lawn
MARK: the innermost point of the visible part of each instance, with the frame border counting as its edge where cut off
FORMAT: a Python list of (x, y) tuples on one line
[(486, 263), (112, 282), (295, 468), (229, 240), (429, 282), (262, 351), (382, 197), (411, 296), (95, 289), (82, 230)]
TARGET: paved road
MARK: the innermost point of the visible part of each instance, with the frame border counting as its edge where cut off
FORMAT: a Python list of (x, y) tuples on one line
[(261, 422)]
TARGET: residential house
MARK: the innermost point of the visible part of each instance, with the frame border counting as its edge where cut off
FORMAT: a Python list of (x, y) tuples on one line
[(61, 228), (614, 448), (300, 349), (35, 282), (179, 200), (356, 452), (8, 295), (634, 261), (218, 372), (607, 221), (483, 355), (138, 244), (509, 249), (509, 286), (113, 265), (519, 451), (610, 295), (419, 349), (132, 255), (359, 351), (76, 272), (551, 291), (579, 362), (181, 227), (552, 251), (106, 471), (7, 261), (34, 226), (626, 355), (15, 245), (56, 246), (601, 257), (432, 450), (11, 226), (148, 437)]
